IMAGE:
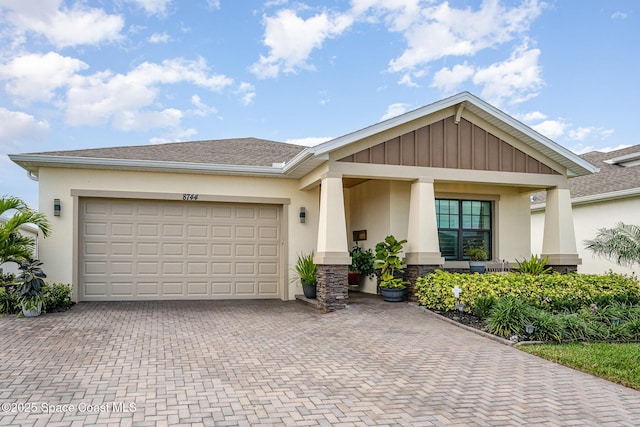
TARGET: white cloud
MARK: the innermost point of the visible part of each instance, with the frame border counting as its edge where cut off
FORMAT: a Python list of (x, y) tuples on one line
[(397, 14), (17, 127), (448, 79), (619, 15), (534, 116), (159, 38), (407, 80), (35, 77), (439, 31), (247, 93), (308, 142), (177, 135), (516, 79), (126, 99), (146, 119), (202, 110), (213, 4), (291, 39), (551, 128), (152, 7), (62, 26), (394, 110), (581, 133)]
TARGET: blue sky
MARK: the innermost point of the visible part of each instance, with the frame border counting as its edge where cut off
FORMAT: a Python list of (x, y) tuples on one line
[(84, 74)]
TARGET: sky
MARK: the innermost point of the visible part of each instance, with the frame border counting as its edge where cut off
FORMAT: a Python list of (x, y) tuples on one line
[(98, 73)]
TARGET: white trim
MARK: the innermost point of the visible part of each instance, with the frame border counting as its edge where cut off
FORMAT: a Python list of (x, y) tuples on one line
[(595, 198)]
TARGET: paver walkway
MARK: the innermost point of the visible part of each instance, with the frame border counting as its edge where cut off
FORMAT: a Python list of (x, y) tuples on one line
[(282, 363)]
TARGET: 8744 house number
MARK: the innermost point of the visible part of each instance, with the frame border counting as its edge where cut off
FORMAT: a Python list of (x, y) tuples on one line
[(189, 197)]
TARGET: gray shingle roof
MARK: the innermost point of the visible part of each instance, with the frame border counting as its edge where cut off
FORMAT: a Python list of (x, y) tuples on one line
[(611, 177), (236, 151)]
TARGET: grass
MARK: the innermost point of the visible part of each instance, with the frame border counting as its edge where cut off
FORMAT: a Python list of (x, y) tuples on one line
[(616, 362)]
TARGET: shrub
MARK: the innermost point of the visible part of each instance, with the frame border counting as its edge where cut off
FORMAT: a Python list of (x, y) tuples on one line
[(548, 327), (508, 317), (57, 297), (483, 306), (555, 292), (9, 303), (534, 265)]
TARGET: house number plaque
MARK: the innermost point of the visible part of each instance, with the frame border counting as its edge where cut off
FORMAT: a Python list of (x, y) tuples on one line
[(189, 197)]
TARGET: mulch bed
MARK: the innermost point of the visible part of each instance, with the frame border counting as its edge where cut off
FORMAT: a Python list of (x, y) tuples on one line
[(465, 319)]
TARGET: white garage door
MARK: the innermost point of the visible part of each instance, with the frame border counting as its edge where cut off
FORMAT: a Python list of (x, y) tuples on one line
[(152, 250)]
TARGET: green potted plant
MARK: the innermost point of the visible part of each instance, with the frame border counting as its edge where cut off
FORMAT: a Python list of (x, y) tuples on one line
[(389, 262), (362, 265), (306, 271), (30, 284), (477, 259)]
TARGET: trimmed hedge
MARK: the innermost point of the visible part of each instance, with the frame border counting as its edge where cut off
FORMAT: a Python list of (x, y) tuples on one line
[(55, 297), (551, 292)]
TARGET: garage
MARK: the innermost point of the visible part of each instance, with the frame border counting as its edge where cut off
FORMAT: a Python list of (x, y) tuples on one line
[(170, 250)]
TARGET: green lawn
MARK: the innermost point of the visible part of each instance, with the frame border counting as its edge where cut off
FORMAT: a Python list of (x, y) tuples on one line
[(615, 362)]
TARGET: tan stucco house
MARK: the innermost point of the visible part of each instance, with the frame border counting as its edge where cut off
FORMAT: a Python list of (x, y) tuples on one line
[(222, 219), (599, 200)]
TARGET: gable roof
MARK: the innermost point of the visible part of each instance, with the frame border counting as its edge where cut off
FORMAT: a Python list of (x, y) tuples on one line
[(262, 157), (618, 176), (575, 165)]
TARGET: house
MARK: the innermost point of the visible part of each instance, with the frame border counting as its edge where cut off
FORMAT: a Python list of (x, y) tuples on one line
[(599, 200), (227, 219)]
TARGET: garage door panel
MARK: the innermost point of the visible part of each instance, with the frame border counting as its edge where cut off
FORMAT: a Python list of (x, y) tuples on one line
[(151, 249), (122, 267), (245, 232), (122, 248), (145, 249)]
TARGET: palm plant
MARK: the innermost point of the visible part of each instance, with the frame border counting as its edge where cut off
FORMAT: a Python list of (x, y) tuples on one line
[(14, 247), (620, 244)]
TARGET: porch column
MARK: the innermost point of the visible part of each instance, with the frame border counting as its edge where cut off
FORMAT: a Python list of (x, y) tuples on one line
[(423, 248), (332, 255), (559, 239)]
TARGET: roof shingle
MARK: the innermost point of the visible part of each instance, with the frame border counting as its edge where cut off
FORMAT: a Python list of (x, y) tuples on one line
[(236, 151)]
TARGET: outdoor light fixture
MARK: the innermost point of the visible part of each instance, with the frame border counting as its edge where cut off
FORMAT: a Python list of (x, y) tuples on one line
[(529, 329), (460, 307), (56, 207), (615, 321), (303, 215)]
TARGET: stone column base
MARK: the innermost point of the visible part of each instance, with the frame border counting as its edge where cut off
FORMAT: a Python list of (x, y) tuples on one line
[(564, 269), (332, 289), (413, 273)]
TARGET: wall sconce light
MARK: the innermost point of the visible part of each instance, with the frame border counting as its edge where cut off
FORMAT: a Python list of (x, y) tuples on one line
[(303, 215), (359, 235), (56, 207)]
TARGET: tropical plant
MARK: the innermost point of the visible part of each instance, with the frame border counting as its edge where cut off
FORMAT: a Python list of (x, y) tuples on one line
[(362, 261), (389, 262), (57, 297), (620, 244), (306, 269), (508, 317), (476, 253), (31, 284), (14, 247), (534, 265)]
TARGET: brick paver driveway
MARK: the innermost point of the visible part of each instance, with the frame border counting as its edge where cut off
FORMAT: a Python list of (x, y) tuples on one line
[(277, 363)]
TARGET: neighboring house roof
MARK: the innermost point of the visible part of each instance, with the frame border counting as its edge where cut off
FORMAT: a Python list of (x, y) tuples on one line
[(256, 156), (618, 176)]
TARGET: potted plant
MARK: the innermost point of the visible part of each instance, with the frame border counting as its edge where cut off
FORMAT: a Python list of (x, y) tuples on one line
[(389, 262), (306, 270), (30, 284), (362, 265), (477, 259)]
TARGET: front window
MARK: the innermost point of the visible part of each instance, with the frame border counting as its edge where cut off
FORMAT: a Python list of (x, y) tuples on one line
[(463, 223)]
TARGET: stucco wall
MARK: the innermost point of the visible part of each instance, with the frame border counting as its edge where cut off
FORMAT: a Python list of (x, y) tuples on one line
[(587, 219), (57, 250)]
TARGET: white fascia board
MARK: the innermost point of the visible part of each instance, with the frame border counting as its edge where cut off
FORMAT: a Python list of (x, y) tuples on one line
[(623, 159), (129, 164), (595, 198)]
